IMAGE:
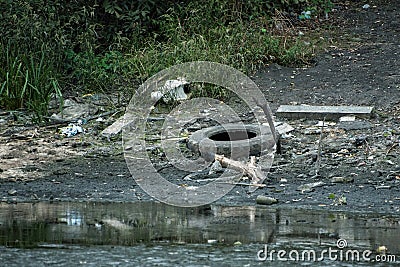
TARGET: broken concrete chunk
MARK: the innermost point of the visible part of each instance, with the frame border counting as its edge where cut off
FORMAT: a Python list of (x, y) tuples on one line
[(283, 127), (321, 112), (114, 128)]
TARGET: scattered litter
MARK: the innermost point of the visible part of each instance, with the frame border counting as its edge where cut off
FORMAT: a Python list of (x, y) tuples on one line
[(383, 187), (215, 168), (325, 124), (309, 187), (71, 130), (191, 187), (305, 15), (312, 130), (342, 200), (173, 90), (12, 192), (366, 6), (381, 250), (347, 118)]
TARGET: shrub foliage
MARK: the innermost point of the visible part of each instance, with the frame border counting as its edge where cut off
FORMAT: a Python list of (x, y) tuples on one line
[(100, 45)]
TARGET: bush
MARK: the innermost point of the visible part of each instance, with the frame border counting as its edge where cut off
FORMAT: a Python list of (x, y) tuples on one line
[(28, 81), (98, 45)]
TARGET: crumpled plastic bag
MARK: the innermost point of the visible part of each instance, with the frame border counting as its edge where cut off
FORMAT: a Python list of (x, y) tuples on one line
[(71, 130)]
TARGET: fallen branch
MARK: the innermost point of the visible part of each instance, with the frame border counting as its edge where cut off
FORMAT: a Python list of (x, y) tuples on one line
[(249, 169), (393, 146), (318, 163), (268, 115)]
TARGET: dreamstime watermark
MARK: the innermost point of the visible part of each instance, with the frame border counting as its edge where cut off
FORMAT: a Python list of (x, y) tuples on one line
[(340, 253), (139, 112)]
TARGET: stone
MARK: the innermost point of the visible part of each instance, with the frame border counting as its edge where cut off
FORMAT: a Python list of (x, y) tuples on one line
[(354, 125), (264, 200), (114, 128)]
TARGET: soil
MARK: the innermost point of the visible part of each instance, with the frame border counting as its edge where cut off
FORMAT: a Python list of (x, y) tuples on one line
[(361, 67)]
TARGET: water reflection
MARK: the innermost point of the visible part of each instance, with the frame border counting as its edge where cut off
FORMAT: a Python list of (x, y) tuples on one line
[(60, 224)]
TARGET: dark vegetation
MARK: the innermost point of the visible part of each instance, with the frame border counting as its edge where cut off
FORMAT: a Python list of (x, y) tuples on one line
[(50, 47)]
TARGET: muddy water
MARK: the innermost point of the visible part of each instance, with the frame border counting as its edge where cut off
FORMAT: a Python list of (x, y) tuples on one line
[(153, 234)]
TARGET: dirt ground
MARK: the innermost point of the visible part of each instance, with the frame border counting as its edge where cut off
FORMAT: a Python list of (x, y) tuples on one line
[(361, 67)]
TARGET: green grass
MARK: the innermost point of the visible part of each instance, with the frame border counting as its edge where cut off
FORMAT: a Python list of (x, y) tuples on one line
[(104, 50), (27, 81), (238, 46), (241, 46)]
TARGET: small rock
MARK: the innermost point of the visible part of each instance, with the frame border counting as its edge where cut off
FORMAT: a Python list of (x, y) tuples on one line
[(339, 179), (354, 125), (60, 172), (360, 140), (264, 200)]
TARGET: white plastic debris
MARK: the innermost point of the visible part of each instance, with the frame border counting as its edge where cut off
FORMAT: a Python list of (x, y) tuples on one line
[(366, 6), (347, 118), (324, 124), (71, 130), (281, 127), (171, 91), (215, 168)]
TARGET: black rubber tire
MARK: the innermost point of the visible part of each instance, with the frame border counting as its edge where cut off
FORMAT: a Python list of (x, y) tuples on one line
[(200, 142)]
